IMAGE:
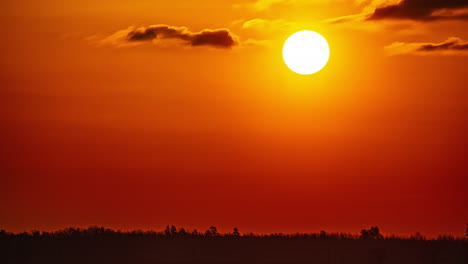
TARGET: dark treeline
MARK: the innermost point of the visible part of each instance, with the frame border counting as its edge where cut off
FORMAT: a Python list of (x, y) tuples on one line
[(172, 231), (174, 245)]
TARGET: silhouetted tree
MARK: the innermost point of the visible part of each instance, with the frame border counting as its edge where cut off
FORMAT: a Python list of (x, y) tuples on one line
[(445, 237), (36, 233), (173, 230), (417, 236), (364, 234), (323, 234), (213, 230), (236, 232), (182, 232), (92, 230), (372, 233), (466, 231), (167, 231)]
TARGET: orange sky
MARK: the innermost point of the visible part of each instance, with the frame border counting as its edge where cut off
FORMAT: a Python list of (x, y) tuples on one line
[(101, 129)]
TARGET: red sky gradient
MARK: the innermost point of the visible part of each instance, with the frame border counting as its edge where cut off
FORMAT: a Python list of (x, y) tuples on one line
[(97, 129)]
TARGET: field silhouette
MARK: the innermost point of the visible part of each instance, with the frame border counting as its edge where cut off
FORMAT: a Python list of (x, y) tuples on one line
[(173, 245)]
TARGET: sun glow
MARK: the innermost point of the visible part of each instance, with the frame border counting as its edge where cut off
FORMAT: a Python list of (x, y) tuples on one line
[(306, 52)]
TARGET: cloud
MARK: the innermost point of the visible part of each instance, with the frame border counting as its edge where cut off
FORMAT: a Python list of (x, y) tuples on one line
[(419, 10), (349, 18), (452, 46), (254, 23), (265, 25), (424, 10), (369, 7), (261, 30), (163, 34)]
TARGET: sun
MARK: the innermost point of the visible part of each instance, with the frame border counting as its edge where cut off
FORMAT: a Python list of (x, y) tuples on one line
[(306, 52)]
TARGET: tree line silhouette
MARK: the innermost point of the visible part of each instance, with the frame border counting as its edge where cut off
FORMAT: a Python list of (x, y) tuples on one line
[(173, 245), (171, 231)]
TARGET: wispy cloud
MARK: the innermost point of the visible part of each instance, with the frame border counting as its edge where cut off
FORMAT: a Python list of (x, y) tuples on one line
[(265, 31), (420, 10), (452, 46), (425, 10), (163, 34), (267, 25)]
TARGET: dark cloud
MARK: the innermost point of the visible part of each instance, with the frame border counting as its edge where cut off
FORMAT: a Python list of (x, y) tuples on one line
[(218, 37), (422, 10), (221, 38), (452, 46)]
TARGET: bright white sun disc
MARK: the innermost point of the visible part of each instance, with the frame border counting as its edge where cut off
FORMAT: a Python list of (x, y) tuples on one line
[(306, 52)]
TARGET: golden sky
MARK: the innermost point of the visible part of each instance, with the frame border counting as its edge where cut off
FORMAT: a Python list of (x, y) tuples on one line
[(138, 114)]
